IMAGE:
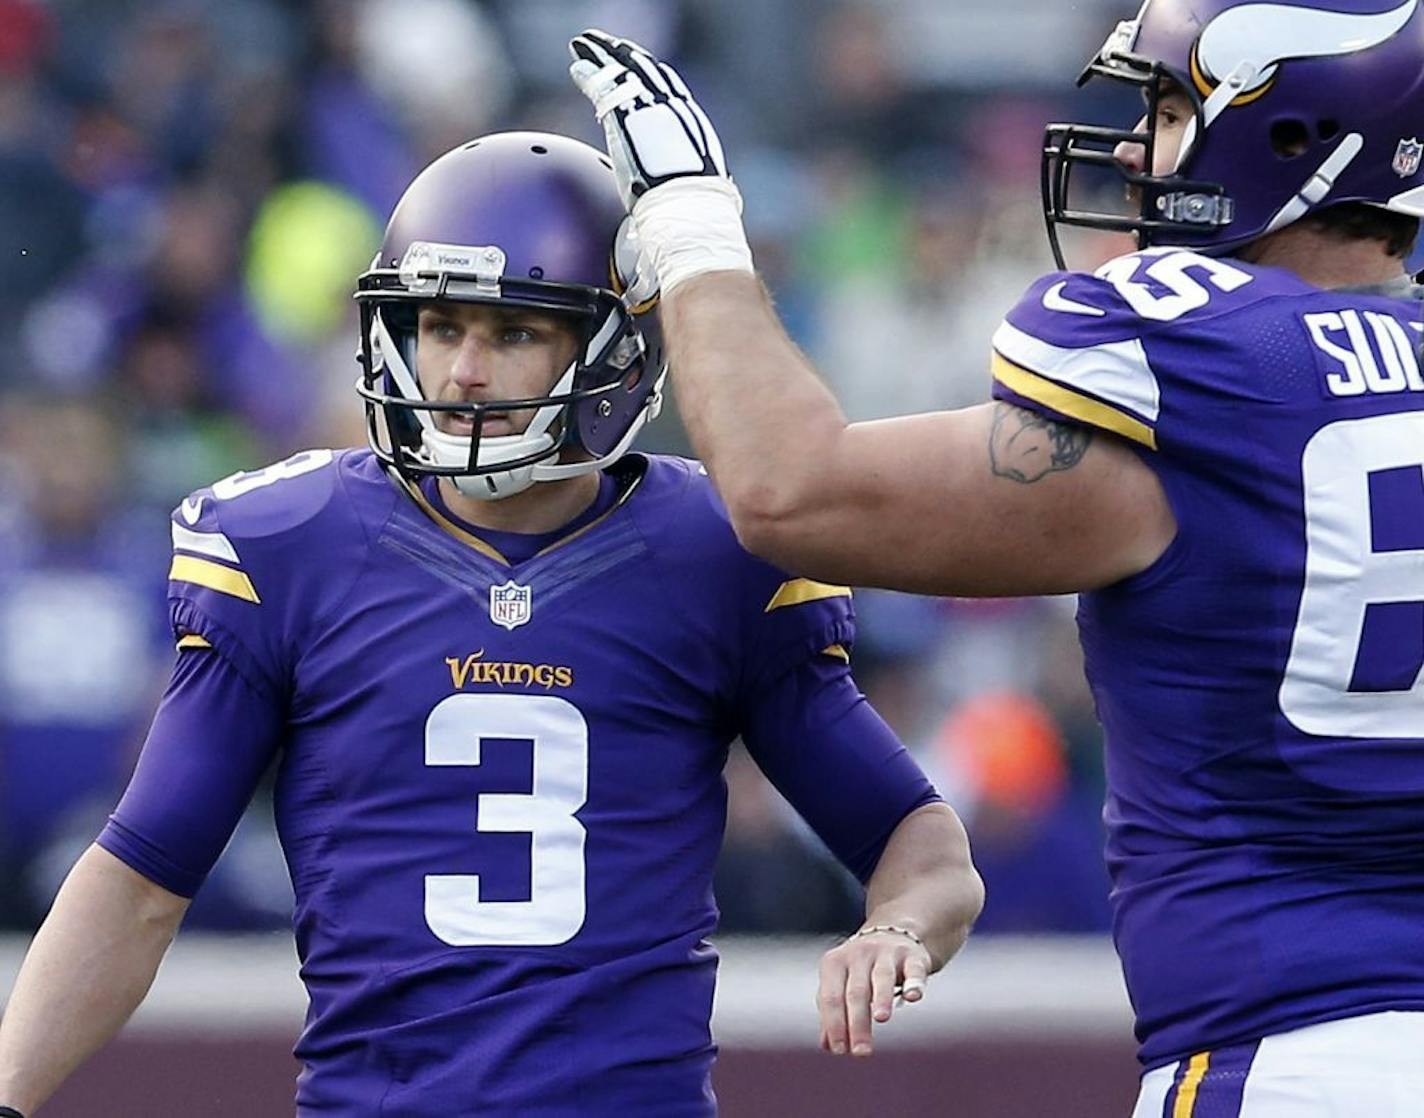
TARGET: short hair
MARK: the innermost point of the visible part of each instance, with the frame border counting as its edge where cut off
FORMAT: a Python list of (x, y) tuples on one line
[(1362, 221)]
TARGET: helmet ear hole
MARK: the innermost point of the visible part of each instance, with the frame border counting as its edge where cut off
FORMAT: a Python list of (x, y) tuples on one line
[(1327, 129), (1290, 138)]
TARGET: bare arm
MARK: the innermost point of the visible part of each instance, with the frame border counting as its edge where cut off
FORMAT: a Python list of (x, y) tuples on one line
[(925, 884), (990, 500), (90, 965)]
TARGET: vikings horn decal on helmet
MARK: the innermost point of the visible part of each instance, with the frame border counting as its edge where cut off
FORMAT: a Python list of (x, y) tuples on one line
[(524, 219), (1296, 106)]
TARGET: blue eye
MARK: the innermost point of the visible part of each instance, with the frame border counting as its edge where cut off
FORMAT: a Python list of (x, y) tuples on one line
[(440, 329)]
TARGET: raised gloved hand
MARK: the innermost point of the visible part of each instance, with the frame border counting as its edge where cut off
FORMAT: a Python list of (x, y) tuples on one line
[(667, 158)]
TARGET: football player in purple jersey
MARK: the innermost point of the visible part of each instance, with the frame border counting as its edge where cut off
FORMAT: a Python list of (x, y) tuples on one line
[(498, 661), (1218, 440)]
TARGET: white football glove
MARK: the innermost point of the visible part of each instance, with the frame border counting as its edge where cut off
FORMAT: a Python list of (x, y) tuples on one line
[(667, 158)]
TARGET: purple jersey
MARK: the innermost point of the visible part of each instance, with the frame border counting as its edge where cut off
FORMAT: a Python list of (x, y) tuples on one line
[(500, 788), (1260, 685)]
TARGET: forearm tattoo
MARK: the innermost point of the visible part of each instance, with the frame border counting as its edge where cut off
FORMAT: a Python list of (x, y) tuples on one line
[(1025, 446)]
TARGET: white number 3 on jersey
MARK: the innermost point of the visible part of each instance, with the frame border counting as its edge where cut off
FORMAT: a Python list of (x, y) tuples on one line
[(554, 912)]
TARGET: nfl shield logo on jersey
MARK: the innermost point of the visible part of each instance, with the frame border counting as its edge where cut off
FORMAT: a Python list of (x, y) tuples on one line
[(510, 604), (1406, 157)]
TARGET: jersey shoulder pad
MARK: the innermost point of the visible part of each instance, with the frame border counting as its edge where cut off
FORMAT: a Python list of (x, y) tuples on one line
[(1088, 347), (1144, 292), (680, 507), (782, 615), (793, 619), (255, 551)]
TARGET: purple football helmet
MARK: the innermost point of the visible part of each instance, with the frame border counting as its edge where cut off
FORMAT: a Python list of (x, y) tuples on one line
[(526, 219), (1297, 105)]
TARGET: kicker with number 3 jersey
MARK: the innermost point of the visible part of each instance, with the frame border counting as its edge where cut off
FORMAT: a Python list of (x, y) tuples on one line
[(500, 790), (1261, 684)]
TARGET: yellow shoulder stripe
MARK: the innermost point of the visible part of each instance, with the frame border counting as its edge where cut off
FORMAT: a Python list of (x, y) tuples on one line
[(1191, 1083), (838, 651), (204, 572), (1051, 394), (192, 640), (798, 591)]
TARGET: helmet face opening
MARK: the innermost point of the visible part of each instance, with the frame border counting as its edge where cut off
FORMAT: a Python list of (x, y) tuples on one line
[(516, 220), (1296, 106), (1086, 185)]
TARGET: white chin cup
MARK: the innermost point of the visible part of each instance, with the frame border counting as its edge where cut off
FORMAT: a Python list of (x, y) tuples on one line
[(441, 449)]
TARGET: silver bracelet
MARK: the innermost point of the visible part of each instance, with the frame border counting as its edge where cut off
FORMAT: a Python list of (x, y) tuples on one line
[(893, 929)]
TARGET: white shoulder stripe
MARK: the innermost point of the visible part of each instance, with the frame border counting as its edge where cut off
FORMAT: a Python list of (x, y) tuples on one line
[(214, 544), (1116, 372)]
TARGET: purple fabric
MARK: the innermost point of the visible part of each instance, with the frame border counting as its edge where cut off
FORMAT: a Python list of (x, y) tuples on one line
[(1264, 876), (211, 741), (1397, 509), (406, 716), (1220, 1090), (817, 739), (1391, 651), (519, 546)]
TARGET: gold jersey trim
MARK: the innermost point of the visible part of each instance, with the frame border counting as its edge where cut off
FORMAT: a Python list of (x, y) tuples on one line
[(192, 640), (799, 591), (1067, 402), (836, 651), (1191, 1082), (204, 572), (489, 550)]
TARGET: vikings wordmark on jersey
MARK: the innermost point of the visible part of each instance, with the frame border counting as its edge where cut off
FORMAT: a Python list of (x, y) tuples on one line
[(1262, 685), (499, 785)]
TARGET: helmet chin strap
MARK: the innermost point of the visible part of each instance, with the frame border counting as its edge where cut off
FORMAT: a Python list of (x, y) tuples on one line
[(1319, 184)]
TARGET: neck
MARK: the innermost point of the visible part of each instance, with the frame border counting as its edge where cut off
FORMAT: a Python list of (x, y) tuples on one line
[(543, 507), (1325, 259)]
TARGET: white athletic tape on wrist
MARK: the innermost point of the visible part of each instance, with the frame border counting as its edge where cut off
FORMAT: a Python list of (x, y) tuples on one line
[(691, 226)]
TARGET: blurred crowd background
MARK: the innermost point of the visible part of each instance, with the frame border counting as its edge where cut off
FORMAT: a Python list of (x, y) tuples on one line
[(188, 189)]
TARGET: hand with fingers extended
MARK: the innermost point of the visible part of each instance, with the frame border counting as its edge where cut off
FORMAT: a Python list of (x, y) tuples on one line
[(667, 158), (656, 131), (860, 980)]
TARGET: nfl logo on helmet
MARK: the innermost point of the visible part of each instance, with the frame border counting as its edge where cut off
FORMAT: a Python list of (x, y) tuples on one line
[(1406, 158), (510, 604)]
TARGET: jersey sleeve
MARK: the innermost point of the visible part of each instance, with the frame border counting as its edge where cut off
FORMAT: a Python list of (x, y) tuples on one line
[(1073, 350), (255, 556), (791, 620), (1142, 340), (211, 740), (835, 760)]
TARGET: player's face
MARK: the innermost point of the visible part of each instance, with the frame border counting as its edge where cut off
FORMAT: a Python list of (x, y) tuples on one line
[(472, 352), (1174, 110)]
